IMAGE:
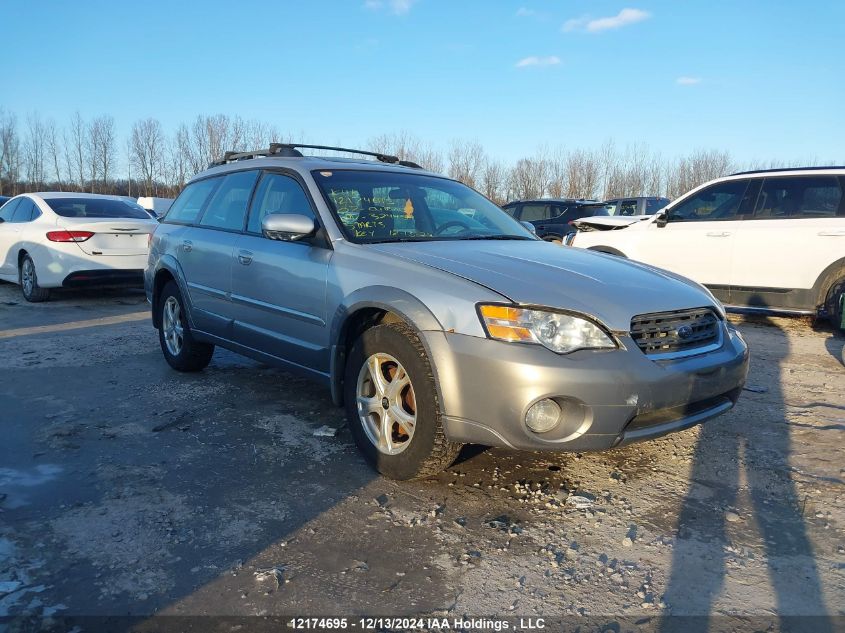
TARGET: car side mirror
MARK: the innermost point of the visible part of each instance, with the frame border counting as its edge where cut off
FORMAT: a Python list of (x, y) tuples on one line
[(530, 227), (2, 220), (662, 220), (288, 227)]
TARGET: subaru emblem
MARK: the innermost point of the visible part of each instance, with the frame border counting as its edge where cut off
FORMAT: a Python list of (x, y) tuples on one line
[(684, 332)]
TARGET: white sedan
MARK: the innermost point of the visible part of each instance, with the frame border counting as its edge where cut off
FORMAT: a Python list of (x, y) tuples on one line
[(59, 239)]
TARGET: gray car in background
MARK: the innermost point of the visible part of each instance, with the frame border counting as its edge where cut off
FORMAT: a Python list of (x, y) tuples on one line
[(430, 314)]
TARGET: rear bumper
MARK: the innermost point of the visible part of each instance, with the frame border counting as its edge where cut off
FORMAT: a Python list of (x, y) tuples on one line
[(111, 277), (611, 398)]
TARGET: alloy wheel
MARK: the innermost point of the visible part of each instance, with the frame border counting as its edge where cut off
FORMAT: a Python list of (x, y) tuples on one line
[(174, 333), (387, 406), (28, 277)]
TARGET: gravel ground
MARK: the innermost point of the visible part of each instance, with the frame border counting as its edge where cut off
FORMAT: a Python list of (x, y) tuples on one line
[(128, 489)]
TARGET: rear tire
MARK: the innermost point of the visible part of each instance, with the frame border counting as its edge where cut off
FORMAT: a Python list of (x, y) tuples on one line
[(28, 280), (181, 351), (406, 396)]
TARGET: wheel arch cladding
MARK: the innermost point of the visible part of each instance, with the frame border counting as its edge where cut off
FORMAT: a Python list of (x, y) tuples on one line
[(365, 308)]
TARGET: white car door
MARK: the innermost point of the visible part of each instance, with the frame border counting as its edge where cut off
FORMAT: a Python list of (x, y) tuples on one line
[(8, 236), (796, 232), (696, 239)]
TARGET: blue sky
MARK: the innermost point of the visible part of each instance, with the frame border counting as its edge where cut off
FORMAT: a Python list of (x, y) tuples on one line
[(763, 79)]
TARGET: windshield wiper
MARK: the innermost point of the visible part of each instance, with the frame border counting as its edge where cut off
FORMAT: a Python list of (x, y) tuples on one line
[(495, 237), (390, 240)]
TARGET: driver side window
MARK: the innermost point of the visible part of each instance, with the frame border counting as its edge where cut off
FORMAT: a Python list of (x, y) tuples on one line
[(718, 202), (277, 193)]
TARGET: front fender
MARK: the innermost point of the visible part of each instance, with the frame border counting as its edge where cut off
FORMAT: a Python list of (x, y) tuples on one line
[(405, 305)]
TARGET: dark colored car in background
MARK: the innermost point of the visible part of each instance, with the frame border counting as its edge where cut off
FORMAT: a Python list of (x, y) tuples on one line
[(552, 218), (637, 205), (4, 200)]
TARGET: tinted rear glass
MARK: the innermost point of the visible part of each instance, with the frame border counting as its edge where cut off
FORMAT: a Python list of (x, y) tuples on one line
[(589, 210), (96, 208), (653, 205)]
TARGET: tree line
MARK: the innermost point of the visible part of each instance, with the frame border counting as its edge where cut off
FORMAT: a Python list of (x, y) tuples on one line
[(37, 154)]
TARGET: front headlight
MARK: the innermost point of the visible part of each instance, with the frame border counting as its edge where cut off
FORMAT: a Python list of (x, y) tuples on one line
[(561, 333)]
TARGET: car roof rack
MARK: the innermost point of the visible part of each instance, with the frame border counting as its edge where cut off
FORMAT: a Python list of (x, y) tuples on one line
[(774, 169), (291, 150)]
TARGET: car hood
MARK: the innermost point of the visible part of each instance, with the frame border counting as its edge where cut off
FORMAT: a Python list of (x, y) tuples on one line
[(611, 222), (609, 288)]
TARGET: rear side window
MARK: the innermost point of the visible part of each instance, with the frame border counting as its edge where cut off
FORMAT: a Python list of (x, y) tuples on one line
[(25, 211), (187, 206), (510, 210), (277, 194), (717, 202), (627, 207), (95, 208), (534, 212), (8, 209), (586, 211), (799, 197), (227, 207)]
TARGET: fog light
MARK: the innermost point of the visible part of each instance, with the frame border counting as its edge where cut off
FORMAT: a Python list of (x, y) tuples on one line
[(543, 416)]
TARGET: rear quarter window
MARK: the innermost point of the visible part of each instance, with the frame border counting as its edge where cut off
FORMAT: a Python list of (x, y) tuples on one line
[(799, 197)]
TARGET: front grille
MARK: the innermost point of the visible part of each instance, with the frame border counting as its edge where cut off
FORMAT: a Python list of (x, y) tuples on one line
[(675, 332)]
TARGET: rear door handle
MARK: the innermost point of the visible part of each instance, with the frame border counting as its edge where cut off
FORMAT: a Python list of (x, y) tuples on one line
[(187, 245), (839, 233), (245, 258), (718, 234)]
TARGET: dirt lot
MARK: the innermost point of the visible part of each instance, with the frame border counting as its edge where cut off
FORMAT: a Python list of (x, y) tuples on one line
[(128, 489)]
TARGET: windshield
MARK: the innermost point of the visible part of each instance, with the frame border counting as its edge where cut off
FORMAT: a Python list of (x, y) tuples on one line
[(383, 206), (96, 208)]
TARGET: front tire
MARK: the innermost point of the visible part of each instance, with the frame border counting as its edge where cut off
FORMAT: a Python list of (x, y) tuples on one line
[(835, 304), (392, 406), (28, 280), (181, 351)]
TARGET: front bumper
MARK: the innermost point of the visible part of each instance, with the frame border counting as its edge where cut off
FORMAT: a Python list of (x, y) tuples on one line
[(615, 397)]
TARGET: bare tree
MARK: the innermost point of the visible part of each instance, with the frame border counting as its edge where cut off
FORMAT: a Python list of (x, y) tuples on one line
[(77, 150), (35, 151), (405, 146), (466, 160), (557, 175), (528, 178), (146, 152), (494, 181), (54, 152), (9, 150), (102, 148), (690, 171), (583, 172)]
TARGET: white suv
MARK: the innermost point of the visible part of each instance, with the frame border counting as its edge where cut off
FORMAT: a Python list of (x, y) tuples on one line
[(771, 240)]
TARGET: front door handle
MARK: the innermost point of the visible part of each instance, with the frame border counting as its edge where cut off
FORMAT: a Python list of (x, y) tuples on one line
[(839, 233), (187, 245), (718, 234), (245, 258)]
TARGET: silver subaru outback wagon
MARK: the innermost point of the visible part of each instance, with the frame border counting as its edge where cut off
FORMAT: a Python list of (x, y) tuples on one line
[(432, 316)]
